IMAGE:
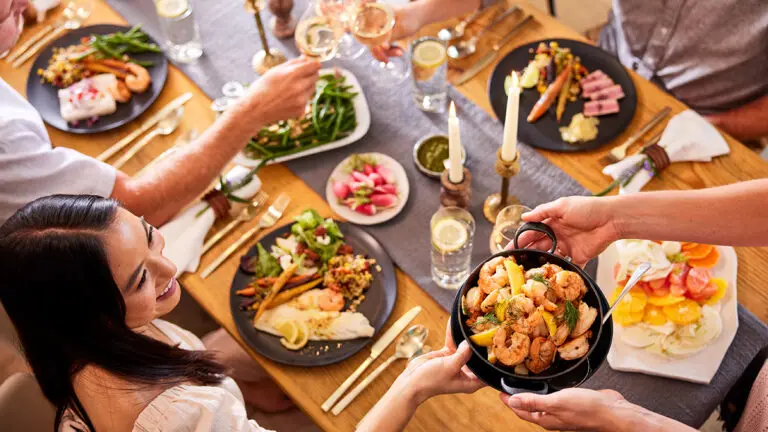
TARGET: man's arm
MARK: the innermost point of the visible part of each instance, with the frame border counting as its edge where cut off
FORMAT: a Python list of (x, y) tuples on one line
[(747, 122), (182, 176)]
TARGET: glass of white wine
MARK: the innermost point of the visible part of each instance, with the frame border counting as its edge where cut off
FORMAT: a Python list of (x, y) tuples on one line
[(344, 12), (318, 34), (373, 25)]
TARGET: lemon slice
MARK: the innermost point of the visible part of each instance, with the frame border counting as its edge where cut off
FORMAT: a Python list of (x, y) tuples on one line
[(289, 330), (485, 338), (301, 339), (429, 54), (171, 8), (449, 235)]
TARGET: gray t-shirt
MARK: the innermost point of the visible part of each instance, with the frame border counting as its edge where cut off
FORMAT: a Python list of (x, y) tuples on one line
[(711, 54), (30, 168)]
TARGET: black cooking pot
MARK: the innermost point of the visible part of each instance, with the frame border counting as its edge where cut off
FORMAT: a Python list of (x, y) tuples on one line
[(563, 373)]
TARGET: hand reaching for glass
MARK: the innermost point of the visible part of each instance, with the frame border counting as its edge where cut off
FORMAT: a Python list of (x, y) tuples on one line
[(282, 93)]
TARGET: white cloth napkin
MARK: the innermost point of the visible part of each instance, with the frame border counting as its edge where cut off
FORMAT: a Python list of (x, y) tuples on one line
[(688, 137), (184, 235)]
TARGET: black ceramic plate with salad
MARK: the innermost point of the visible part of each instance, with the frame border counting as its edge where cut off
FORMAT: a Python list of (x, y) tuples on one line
[(313, 292), (97, 78), (595, 98)]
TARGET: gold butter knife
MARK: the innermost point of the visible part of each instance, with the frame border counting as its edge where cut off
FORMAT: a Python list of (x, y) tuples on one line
[(172, 106), (376, 351), (491, 56)]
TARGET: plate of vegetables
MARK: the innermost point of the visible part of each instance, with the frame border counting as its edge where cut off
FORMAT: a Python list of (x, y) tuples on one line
[(337, 116), (574, 96), (97, 78)]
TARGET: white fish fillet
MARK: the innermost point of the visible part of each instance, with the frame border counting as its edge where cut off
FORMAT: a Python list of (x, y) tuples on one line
[(322, 325), (102, 104)]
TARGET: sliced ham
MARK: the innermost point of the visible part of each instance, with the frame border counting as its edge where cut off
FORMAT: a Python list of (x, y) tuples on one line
[(593, 76), (613, 92), (595, 86), (601, 107)]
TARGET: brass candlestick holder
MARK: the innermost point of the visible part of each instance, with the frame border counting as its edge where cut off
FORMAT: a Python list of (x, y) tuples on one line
[(267, 57), (282, 23), (456, 194), (495, 202)]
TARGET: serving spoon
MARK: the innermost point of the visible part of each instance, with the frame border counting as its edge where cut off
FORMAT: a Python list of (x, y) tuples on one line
[(466, 48), (638, 273), (410, 345), (450, 34)]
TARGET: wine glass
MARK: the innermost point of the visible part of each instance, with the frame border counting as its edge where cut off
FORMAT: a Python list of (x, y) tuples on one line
[(507, 223), (344, 12), (318, 34), (373, 25)]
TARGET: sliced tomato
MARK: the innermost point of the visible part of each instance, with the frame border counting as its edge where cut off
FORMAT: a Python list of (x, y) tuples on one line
[(678, 290), (679, 273), (697, 280)]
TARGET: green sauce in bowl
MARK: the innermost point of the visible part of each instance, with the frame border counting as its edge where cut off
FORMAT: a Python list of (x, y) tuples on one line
[(433, 152)]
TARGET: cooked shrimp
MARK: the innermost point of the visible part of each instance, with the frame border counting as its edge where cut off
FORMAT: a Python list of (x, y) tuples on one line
[(138, 78), (532, 325), (493, 275), (510, 348), (533, 288), (587, 316), (575, 348), (330, 300), (546, 271), (518, 306), (545, 303), (567, 285), (120, 92), (561, 334), (541, 355), (496, 296), (474, 299)]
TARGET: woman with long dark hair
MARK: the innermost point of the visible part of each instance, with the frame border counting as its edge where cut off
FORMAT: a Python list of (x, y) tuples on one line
[(84, 282)]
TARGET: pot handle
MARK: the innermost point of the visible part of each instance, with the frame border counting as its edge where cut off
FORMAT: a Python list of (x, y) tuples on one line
[(539, 227), (541, 388)]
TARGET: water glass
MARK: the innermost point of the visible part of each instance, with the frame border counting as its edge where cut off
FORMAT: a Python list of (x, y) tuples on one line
[(430, 67), (452, 231), (507, 223), (181, 33)]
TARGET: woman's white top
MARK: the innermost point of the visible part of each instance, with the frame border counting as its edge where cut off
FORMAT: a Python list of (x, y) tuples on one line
[(188, 408)]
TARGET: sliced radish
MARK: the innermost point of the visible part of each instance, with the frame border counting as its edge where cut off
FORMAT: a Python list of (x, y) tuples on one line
[(341, 190), (386, 173), (362, 178), (386, 189), (377, 179), (383, 200), (366, 209), (356, 186), (368, 169)]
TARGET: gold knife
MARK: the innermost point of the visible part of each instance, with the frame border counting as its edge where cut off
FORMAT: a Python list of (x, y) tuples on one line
[(173, 105), (491, 56), (376, 351)]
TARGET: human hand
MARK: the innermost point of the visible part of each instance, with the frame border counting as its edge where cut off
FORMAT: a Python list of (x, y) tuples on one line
[(440, 372), (406, 24), (282, 93), (584, 227), (570, 409)]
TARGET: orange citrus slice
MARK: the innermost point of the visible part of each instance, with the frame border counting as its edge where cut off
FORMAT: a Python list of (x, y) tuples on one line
[(666, 300), (722, 286), (654, 315), (683, 313)]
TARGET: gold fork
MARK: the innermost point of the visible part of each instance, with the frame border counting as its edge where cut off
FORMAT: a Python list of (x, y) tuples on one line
[(247, 213), (269, 219), (620, 151)]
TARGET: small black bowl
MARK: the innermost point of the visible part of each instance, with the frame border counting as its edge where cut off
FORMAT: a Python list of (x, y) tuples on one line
[(563, 373)]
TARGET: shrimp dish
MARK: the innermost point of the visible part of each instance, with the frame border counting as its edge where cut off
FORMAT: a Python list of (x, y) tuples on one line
[(527, 319)]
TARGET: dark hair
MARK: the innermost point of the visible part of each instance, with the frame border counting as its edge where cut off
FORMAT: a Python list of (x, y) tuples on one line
[(58, 290)]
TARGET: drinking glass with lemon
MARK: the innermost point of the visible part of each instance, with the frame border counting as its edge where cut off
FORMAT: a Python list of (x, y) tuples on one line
[(182, 36), (429, 65), (452, 232)]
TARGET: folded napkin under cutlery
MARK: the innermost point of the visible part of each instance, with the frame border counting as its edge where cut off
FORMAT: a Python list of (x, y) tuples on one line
[(185, 234), (688, 137)]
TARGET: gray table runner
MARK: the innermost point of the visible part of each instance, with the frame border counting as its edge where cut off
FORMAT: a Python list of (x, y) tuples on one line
[(230, 38)]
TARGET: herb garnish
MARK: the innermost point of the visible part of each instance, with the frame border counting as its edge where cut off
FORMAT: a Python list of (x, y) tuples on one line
[(490, 317), (571, 315), (540, 278), (677, 258)]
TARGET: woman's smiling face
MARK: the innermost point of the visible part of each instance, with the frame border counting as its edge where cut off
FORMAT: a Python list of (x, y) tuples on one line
[(145, 277), (10, 22)]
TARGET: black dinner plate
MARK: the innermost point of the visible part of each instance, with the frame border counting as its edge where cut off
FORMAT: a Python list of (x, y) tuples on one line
[(545, 132), (377, 306), (44, 97)]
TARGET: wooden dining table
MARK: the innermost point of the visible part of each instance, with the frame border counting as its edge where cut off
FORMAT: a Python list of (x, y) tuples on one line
[(309, 387)]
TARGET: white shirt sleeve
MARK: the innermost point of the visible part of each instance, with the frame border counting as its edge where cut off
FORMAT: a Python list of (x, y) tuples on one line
[(30, 168), (190, 408)]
